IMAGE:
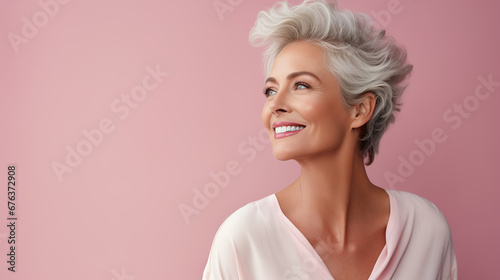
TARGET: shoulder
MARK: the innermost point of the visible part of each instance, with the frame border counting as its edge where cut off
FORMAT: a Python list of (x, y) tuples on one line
[(247, 221), (421, 214), (413, 201), (244, 228), (236, 240), (424, 236)]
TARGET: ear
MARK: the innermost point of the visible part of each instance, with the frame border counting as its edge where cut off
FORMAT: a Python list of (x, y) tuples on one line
[(363, 112)]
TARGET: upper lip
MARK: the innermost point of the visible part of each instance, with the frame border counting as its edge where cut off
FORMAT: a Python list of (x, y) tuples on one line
[(278, 124)]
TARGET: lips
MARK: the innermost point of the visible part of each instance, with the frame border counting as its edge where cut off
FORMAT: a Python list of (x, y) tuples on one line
[(278, 124), (285, 129)]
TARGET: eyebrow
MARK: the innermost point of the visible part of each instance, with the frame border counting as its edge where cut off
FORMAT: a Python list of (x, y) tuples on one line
[(293, 75)]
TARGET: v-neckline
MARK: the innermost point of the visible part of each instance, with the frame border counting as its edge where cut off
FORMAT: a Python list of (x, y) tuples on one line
[(298, 234)]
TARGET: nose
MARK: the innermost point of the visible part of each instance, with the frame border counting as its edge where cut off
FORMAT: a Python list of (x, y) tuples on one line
[(280, 103)]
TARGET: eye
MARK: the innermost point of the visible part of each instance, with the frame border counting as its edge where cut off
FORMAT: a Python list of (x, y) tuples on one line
[(301, 85), (268, 92)]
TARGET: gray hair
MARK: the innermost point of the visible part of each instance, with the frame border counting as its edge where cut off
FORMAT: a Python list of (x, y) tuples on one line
[(362, 58)]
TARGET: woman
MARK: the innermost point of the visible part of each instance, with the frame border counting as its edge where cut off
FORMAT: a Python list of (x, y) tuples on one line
[(333, 84)]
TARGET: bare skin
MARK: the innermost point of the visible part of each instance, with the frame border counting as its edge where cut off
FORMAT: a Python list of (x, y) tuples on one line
[(333, 201), (351, 221)]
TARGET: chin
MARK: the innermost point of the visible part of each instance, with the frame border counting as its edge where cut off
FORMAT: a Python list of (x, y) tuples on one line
[(283, 154), (282, 158)]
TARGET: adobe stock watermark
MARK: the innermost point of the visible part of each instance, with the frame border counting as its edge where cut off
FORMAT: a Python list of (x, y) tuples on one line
[(223, 6), (454, 117), (121, 276), (383, 17), (220, 179), (48, 9), (122, 107), (308, 266)]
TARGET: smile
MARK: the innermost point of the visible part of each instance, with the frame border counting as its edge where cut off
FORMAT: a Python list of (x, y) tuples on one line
[(284, 131)]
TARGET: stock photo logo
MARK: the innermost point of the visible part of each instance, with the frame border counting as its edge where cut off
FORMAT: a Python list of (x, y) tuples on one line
[(453, 117), (223, 6), (122, 275), (95, 136), (221, 179), (308, 266), (383, 17), (48, 9)]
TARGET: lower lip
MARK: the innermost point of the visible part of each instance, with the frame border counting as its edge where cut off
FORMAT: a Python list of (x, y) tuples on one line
[(286, 134)]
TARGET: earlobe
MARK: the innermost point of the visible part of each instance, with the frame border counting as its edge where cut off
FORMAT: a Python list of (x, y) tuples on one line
[(364, 110)]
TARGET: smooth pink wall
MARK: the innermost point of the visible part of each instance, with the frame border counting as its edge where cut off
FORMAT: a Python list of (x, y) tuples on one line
[(161, 97)]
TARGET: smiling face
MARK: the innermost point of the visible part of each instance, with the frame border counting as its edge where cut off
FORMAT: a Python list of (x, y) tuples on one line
[(300, 90)]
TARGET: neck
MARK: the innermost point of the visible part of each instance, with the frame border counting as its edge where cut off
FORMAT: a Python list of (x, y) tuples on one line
[(331, 190)]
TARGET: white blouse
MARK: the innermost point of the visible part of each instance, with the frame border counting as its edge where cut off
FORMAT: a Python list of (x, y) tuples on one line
[(259, 242)]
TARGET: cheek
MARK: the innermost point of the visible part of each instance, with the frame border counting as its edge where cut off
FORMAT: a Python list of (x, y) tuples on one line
[(328, 119), (316, 111), (266, 116), (266, 120)]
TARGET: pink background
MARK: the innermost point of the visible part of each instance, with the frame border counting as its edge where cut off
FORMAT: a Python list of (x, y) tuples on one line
[(116, 214)]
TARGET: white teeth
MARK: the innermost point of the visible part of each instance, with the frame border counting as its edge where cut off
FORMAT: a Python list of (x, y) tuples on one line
[(281, 129)]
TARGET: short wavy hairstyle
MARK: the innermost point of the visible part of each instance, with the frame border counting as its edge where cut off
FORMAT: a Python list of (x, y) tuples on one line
[(361, 57)]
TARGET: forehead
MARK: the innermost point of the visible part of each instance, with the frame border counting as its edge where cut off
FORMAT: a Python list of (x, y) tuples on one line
[(300, 56)]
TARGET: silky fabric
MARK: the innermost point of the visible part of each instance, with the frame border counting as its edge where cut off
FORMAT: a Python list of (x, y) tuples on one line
[(258, 242)]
